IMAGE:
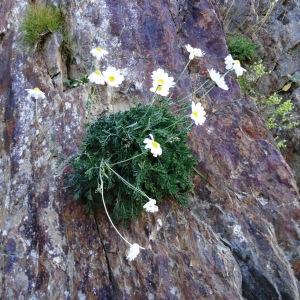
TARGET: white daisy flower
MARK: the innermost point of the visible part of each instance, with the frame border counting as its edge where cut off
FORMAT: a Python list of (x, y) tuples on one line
[(133, 252), (162, 90), (113, 77), (198, 114), (151, 206), (36, 93), (154, 146), (160, 77), (194, 52), (98, 52), (218, 79), (235, 65), (97, 77)]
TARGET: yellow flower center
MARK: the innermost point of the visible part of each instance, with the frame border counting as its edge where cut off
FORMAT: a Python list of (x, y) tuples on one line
[(36, 89), (159, 88), (99, 49), (155, 145), (112, 78), (161, 81), (237, 62), (195, 114), (98, 73)]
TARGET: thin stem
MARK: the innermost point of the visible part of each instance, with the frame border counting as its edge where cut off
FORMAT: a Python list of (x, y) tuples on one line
[(106, 211), (125, 160), (185, 67), (127, 183)]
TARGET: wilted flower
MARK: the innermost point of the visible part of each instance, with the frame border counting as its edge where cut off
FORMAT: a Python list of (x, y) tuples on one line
[(113, 77), (194, 52), (98, 52), (154, 147), (96, 77), (133, 251), (36, 93), (235, 65), (218, 79), (162, 82), (151, 206), (198, 113)]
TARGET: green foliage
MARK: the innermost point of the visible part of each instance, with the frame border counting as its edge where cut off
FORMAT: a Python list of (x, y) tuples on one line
[(118, 141), (278, 114), (72, 83), (242, 48), (39, 21), (248, 82)]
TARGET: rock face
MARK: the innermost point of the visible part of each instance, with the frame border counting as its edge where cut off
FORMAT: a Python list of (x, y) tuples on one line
[(279, 40), (239, 237)]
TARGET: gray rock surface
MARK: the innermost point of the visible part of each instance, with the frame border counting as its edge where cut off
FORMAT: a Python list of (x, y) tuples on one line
[(239, 237)]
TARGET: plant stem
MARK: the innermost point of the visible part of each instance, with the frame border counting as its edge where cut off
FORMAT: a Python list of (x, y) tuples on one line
[(106, 211), (127, 183), (125, 160)]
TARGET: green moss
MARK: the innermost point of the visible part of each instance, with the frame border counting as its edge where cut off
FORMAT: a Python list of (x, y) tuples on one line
[(242, 48), (39, 21), (119, 137)]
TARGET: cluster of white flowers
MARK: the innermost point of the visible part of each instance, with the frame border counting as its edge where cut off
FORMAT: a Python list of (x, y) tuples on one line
[(161, 84), (111, 76)]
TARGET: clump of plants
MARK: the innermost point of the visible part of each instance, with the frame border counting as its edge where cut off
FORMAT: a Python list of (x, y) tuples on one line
[(131, 161), (39, 21), (248, 82), (114, 146), (242, 48), (278, 114)]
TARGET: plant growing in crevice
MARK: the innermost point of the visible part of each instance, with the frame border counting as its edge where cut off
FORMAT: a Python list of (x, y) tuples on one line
[(41, 20), (242, 48), (279, 119), (118, 140), (129, 157)]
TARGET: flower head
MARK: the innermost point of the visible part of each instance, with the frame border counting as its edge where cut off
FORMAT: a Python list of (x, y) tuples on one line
[(218, 79), (235, 65), (162, 90), (133, 251), (154, 146), (96, 77), (36, 93), (194, 52), (198, 114), (113, 77), (151, 206), (162, 82), (98, 52)]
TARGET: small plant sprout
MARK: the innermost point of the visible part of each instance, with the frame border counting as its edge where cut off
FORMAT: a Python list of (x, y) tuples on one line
[(198, 114), (113, 77), (151, 206), (235, 65), (36, 93), (133, 252), (97, 77), (194, 52), (218, 79), (162, 82), (98, 52), (154, 146)]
